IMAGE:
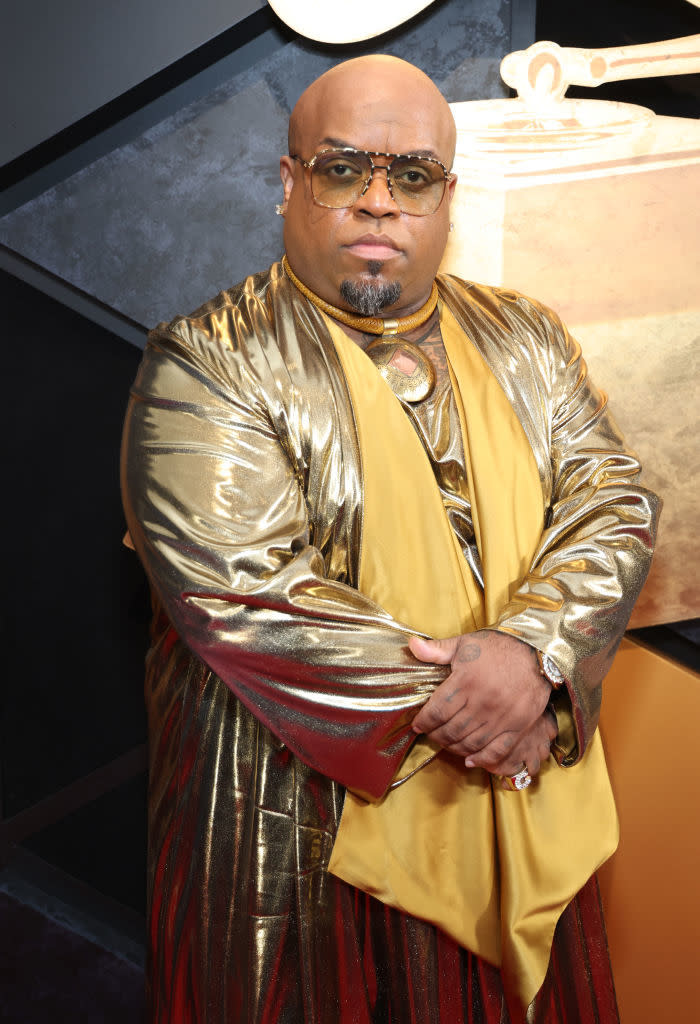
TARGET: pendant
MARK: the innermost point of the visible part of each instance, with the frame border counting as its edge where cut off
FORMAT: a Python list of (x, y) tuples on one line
[(406, 369)]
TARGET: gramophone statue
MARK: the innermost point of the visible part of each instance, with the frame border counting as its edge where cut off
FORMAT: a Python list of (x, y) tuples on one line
[(591, 206)]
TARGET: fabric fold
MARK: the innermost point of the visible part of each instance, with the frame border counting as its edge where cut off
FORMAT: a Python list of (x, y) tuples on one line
[(493, 869)]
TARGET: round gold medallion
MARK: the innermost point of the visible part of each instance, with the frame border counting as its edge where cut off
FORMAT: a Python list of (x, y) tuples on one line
[(406, 369)]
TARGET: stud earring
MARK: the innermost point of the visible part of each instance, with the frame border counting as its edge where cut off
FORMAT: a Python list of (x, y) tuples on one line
[(279, 209), (452, 227)]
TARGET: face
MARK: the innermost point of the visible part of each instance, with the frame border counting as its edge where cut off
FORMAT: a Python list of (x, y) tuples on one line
[(326, 247)]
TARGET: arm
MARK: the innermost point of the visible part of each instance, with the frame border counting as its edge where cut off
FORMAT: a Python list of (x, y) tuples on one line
[(576, 600), (596, 549), (218, 516)]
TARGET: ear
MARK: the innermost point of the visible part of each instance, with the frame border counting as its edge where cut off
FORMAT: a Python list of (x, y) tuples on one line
[(287, 172), (451, 184)]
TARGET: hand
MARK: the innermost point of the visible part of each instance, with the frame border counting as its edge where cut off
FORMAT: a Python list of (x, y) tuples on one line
[(491, 700), (532, 748)]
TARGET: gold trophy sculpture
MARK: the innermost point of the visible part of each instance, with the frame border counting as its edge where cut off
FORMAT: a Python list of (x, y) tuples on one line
[(591, 206)]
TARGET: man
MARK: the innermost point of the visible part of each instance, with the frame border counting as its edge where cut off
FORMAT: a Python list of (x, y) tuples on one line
[(306, 534)]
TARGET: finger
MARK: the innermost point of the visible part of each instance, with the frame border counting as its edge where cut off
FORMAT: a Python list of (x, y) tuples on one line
[(440, 652), (531, 755), (503, 751), (534, 751), (531, 747), (458, 734), (446, 702)]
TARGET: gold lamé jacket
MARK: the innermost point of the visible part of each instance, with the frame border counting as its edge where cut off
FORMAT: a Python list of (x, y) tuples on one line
[(242, 486), (243, 493)]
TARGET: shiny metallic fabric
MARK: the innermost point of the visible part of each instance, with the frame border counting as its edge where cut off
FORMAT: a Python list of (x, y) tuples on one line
[(243, 490), (600, 523), (247, 927)]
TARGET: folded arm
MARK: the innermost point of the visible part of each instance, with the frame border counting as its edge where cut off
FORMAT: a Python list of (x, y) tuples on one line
[(598, 541), (218, 516), (576, 600)]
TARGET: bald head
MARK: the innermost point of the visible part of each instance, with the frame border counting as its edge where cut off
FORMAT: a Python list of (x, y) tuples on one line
[(371, 90)]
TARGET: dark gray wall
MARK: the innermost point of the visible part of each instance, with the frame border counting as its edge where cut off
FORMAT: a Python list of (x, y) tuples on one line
[(61, 59), (186, 208)]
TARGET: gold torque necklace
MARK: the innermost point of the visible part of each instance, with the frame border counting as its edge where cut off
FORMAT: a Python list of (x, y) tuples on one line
[(367, 324)]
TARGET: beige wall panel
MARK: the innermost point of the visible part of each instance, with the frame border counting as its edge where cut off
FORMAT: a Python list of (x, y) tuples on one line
[(602, 248), (650, 367)]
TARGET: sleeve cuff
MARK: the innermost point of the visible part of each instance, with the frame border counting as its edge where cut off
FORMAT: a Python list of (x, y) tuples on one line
[(565, 745)]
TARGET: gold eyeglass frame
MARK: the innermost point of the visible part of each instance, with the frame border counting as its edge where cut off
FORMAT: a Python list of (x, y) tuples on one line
[(369, 153)]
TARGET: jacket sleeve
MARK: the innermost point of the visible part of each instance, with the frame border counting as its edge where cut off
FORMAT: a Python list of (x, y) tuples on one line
[(600, 527), (218, 516)]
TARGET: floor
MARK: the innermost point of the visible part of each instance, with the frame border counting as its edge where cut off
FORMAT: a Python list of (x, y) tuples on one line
[(59, 965)]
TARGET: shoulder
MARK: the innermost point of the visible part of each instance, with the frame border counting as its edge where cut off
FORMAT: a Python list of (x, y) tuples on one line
[(260, 338), (497, 304), (503, 318), (229, 319)]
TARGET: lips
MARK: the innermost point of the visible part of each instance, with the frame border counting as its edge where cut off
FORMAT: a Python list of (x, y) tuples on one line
[(374, 247)]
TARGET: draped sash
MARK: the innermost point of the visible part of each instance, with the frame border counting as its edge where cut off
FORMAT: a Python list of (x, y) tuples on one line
[(493, 869)]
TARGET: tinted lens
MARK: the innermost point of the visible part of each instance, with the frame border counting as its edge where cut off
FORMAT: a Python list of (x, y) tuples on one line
[(338, 179), (418, 185)]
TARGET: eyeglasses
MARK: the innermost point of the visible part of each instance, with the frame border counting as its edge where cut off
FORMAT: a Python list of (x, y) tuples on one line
[(339, 177)]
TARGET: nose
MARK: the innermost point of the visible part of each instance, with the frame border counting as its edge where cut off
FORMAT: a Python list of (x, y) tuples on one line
[(377, 199)]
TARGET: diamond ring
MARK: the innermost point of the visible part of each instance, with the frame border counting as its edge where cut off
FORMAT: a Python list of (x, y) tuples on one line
[(520, 781)]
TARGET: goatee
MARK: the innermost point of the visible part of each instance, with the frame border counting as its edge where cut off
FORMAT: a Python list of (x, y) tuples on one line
[(370, 297)]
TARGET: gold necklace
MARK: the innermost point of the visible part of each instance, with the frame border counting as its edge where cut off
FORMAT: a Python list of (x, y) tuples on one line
[(406, 369), (367, 324)]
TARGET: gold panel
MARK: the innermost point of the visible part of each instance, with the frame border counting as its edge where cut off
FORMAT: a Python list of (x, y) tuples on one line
[(651, 886)]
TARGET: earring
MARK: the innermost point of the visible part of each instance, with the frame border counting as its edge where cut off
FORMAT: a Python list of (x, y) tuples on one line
[(452, 227), (279, 209)]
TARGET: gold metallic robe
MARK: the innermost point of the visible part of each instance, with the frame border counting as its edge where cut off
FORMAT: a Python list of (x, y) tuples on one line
[(243, 491)]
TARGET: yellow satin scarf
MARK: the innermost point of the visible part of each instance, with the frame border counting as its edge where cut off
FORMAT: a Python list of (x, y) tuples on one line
[(493, 869)]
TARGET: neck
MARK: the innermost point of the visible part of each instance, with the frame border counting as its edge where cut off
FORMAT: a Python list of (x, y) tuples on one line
[(366, 324)]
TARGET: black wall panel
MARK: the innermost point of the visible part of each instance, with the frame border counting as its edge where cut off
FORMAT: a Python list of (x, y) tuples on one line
[(76, 603)]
